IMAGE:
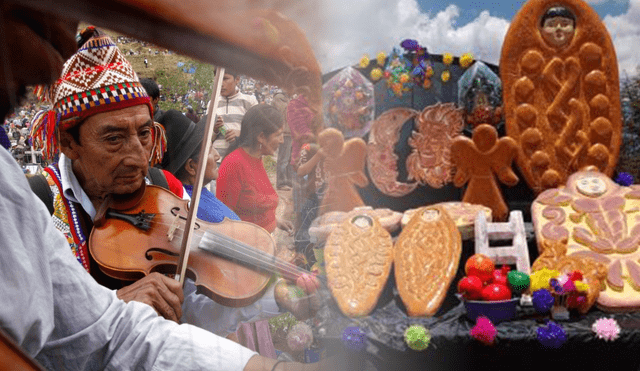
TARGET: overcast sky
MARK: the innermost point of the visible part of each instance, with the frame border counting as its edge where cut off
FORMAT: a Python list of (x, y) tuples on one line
[(341, 31)]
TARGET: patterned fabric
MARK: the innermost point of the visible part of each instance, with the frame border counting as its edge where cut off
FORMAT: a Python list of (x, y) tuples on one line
[(66, 217), (97, 75), (94, 80)]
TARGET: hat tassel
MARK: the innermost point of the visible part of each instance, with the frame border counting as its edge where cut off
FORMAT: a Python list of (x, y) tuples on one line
[(159, 144), (43, 133)]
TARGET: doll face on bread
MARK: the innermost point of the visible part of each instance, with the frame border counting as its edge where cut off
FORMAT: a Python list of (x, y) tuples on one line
[(430, 215), (557, 26), (591, 186)]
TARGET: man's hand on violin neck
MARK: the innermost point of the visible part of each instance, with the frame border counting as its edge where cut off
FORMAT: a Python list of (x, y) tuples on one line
[(164, 294)]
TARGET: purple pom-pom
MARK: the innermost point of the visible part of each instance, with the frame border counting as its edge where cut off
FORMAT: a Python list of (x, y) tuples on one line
[(542, 300), (624, 179), (354, 338), (410, 44), (552, 336)]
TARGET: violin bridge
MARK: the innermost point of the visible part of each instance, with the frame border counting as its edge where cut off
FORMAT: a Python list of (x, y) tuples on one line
[(173, 228)]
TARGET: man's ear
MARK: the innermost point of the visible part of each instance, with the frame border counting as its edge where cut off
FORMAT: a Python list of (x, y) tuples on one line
[(68, 145), (191, 167)]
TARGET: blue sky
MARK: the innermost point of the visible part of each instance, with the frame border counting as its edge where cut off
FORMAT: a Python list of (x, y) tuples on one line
[(342, 31), (508, 8)]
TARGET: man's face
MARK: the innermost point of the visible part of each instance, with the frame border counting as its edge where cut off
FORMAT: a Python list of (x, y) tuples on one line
[(113, 154), (228, 85)]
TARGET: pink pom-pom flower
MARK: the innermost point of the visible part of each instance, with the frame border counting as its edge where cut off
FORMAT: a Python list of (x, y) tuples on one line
[(606, 328), (300, 337), (484, 331)]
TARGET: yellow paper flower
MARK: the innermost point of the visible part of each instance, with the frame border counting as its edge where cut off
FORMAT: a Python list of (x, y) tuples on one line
[(381, 58), (447, 58), (446, 75), (581, 286), (466, 59), (376, 74), (404, 78), (364, 61), (540, 279)]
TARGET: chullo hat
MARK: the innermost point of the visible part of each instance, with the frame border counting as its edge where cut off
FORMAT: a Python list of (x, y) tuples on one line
[(96, 79)]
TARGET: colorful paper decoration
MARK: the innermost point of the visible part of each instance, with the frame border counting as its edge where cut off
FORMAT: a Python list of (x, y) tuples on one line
[(480, 94), (349, 105)]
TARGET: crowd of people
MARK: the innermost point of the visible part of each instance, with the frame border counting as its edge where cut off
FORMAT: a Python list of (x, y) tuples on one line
[(112, 148)]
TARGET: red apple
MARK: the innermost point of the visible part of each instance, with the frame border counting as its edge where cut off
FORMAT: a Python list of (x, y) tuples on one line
[(481, 266), (505, 269), (499, 277), (496, 292), (470, 287)]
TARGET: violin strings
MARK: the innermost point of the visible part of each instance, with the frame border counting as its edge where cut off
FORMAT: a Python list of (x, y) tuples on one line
[(270, 261)]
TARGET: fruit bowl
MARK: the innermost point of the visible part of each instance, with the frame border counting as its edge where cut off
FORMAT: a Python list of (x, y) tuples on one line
[(496, 311)]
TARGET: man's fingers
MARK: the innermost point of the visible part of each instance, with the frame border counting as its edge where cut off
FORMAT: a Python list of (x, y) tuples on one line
[(167, 311), (162, 293), (169, 296), (171, 284)]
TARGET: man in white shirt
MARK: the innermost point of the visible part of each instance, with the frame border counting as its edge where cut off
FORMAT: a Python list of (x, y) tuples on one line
[(232, 106)]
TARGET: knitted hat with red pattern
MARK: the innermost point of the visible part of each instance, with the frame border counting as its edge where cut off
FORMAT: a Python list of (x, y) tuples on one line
[(96, 79)]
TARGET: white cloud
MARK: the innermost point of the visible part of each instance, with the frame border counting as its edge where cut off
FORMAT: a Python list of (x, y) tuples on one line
[(341, 31), (625, 32)]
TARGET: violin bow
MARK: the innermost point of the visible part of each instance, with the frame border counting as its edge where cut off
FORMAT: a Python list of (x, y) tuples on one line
[(181, 269)]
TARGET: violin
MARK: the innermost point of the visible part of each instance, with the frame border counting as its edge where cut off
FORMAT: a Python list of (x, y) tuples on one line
[(231, 262)]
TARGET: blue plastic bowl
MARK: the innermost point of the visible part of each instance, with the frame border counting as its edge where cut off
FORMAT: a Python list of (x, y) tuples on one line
[(496, 311)]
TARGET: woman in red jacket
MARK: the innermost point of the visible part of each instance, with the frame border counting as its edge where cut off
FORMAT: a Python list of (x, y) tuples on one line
[(243, 184)]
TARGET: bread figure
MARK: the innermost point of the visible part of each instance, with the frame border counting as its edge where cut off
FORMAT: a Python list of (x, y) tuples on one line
[(344, 169), (358, 256), (430, 159), (561, 91), (426, 258), (596, 218), (478, 161), (381, 158)]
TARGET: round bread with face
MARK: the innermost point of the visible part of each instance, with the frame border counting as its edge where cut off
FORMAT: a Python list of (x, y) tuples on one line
[(561, 92)]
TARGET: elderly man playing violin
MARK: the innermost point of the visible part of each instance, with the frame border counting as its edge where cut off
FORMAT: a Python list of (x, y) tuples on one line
[(107, 138), (52, 309)]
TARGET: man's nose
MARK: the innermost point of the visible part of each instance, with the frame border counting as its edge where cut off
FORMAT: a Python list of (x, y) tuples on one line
[(136, 152)]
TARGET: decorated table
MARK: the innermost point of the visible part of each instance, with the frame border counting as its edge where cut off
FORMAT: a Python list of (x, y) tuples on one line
[(536, 147), (452, 348)]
